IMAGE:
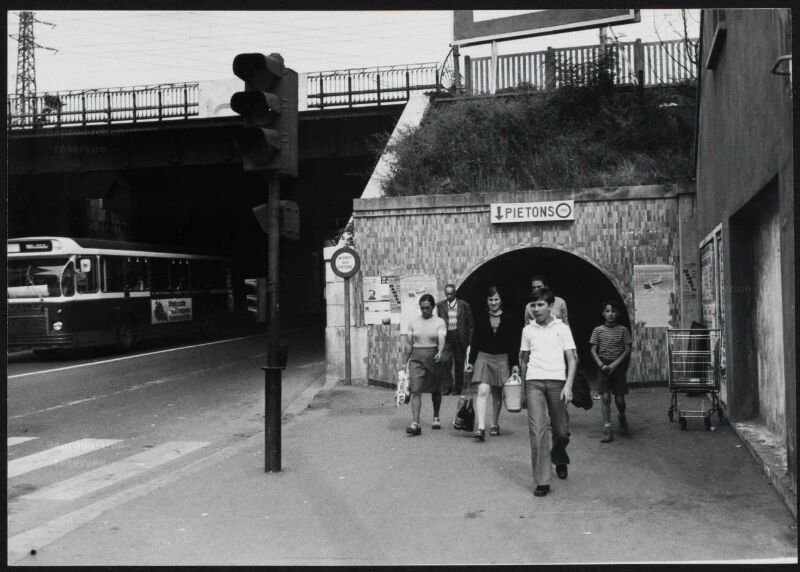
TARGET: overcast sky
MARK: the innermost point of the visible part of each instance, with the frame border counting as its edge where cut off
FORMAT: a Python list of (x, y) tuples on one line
[(124, 48)]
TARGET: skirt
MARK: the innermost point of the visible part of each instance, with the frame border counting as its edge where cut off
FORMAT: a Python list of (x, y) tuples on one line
[(424, 374), (491, 369)]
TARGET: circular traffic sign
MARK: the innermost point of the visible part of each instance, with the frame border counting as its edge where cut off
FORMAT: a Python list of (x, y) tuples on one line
[(345, 262), (563, 210)]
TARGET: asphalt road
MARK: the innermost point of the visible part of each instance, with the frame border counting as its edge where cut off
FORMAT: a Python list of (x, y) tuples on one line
[(90, 426)]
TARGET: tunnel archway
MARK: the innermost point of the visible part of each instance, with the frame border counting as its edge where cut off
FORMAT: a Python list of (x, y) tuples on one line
[(581, 283)]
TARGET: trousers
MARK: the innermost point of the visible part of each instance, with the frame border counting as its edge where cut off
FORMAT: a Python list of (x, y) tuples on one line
[(454, 356), (544, 397)]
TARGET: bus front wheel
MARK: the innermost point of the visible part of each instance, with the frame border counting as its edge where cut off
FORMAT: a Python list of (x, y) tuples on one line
[(126, 335)]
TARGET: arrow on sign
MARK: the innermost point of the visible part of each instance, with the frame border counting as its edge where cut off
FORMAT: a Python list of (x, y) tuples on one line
[(499, 216)]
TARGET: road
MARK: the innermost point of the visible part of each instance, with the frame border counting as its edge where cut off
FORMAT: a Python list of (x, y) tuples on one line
[(86, 429)]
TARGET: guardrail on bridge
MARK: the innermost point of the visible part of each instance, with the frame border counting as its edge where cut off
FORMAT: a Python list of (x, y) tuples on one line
[(649, 64)]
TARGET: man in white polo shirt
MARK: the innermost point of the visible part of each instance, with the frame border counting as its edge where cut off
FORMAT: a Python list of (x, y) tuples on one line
[(546, 342)]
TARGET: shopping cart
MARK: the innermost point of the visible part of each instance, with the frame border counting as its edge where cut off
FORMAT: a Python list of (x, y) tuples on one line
[(694, 369)]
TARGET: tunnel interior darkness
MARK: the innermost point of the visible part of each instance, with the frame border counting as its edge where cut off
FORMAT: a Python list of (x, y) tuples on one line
[(582, 286)]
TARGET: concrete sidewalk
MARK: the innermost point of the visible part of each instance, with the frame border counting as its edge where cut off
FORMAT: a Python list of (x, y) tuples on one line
[(356, 490)]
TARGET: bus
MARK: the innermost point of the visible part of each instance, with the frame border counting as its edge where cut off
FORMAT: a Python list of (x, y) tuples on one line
[(70, 293)]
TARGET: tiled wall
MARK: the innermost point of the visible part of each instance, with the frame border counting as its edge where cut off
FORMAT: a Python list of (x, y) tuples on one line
[(614, 226)]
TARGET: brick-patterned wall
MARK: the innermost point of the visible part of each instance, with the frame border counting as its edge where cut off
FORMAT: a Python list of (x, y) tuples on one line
[(612, 228)]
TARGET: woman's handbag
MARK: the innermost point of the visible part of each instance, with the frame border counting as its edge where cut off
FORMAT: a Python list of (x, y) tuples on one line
[(465, 418), (512, 393), (402, 395)]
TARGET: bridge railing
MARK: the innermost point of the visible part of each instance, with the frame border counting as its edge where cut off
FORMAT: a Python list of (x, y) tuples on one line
[(370, 86), (651, 63), (99, 106)]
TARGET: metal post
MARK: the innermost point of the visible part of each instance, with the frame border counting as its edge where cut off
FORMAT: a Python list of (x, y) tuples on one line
[(456, 71), (272, 373), (467, 75), (108, 104), (134, 106), (493, 69), (321, 92), (349, 90), (347, 373), (378, 79)]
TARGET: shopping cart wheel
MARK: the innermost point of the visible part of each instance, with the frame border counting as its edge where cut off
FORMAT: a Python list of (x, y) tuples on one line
[(682, 421), (708, 423)]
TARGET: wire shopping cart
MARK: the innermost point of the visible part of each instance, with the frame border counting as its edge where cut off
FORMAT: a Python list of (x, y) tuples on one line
[(694, 369)]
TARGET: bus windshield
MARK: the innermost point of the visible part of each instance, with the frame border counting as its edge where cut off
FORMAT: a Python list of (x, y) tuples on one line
[(36, 277)]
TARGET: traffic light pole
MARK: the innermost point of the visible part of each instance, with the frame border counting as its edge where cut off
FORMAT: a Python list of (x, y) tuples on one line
[(272, 373)]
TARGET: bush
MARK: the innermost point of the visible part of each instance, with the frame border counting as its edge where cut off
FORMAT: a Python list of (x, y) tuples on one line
[(584, 134)]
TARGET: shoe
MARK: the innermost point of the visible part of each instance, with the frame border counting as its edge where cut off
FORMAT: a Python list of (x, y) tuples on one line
[(541, 490), (494, 430), (480, 434), (561, 471), (448, 391), (623, 425), (437, 424), (414, 429), (607, 436)]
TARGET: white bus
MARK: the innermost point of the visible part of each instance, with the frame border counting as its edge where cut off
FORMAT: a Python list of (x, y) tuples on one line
[(67, 293)]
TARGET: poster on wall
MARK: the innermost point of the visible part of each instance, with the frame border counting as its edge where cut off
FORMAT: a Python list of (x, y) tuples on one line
[(721, 306), (708, 285), (412, 288), (654, 288), (381, 300), (167, 310)]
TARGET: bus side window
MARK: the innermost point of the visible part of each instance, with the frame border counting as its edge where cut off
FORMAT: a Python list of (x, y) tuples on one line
[(159, 274), (114, 273), (86, 274), (179, 275), (136, 273)]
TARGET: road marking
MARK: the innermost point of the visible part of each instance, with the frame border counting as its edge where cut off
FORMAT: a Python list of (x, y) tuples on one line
[(17, 440), (80, 485), (136, 387), (56, 455), (17, 376)]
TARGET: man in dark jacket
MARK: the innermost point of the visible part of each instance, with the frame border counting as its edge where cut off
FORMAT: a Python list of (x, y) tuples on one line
[(457, 314)]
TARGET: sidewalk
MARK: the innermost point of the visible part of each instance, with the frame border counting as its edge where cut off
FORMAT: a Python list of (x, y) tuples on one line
[(356, 490)]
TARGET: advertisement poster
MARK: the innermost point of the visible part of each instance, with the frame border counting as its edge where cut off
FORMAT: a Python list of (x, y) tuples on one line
[(381, 300), (167, 310), (654, 285), (708, 285), (412, 289)]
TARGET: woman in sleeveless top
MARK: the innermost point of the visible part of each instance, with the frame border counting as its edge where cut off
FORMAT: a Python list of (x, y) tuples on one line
[(425, 372)]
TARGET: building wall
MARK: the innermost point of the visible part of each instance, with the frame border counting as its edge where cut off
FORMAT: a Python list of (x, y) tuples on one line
[(768, 323), (744, 146), (614, 229)]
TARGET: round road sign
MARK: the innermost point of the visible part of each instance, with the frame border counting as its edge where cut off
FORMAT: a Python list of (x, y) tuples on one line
[(345, 262)]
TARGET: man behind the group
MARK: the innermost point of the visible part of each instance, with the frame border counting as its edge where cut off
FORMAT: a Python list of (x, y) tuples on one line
[(559, 309), (546, 342), (457, 314)]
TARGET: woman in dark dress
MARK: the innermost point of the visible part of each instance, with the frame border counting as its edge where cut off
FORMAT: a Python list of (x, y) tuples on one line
[(495, 346)]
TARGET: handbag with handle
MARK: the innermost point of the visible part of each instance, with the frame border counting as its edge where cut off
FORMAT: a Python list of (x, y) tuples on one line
[(465, 412), (402, 395)]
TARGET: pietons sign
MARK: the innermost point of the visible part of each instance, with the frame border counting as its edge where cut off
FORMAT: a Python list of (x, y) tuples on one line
[(532, 212)]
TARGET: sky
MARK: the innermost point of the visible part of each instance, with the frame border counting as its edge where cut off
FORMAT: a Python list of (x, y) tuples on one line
[(125, 48)]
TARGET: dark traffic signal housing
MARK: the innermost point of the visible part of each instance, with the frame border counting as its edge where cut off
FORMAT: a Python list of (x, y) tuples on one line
[(268, 106)]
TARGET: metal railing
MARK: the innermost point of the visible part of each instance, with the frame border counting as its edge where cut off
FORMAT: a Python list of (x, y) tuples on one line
[(655, 63), (105, 106), (651, 64), (370, 86)]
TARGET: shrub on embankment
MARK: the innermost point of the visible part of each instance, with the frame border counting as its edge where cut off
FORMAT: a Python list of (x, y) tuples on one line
[(591, 136)]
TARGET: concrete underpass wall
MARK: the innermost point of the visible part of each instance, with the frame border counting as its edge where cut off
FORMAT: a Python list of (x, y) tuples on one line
[(448, 236)]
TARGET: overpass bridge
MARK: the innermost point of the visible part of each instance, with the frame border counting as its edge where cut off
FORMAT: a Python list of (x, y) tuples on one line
[(158, 164)]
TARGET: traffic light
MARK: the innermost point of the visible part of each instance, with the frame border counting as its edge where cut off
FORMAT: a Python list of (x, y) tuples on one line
[(268, 106)]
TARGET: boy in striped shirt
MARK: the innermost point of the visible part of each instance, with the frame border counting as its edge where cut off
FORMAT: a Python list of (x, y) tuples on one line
[(610, 349)]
